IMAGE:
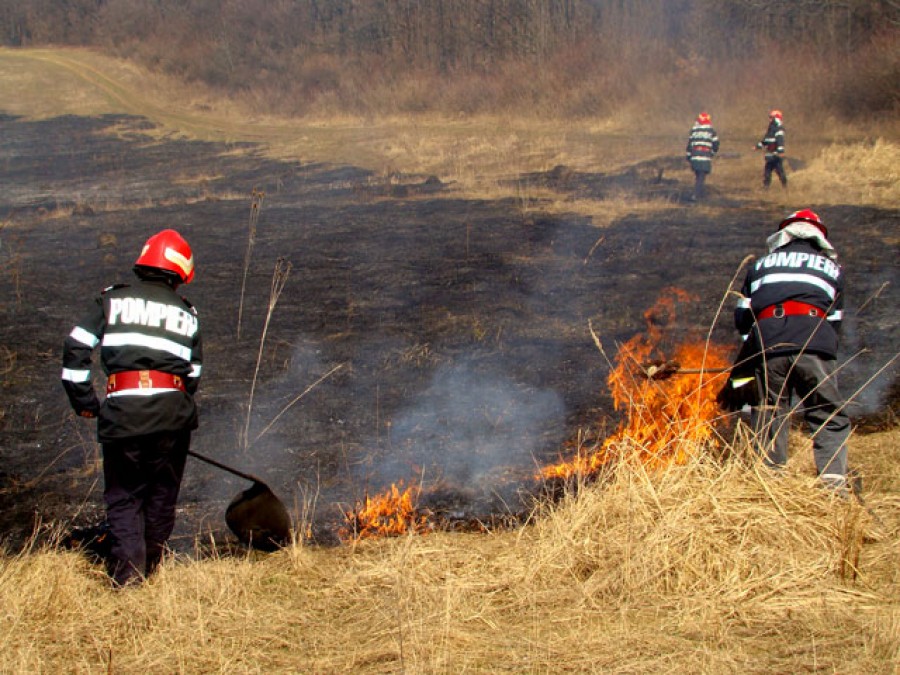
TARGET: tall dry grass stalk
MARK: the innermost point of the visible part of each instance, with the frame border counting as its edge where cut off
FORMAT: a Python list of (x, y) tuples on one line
[(280, 275), (298, 397), (256, 202)]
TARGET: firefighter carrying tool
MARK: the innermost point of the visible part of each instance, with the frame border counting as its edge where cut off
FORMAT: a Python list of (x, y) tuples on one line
[(789, 315), (150, 349), (773, 144)]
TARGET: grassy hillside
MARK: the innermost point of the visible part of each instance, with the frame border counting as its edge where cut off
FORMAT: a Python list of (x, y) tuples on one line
[(710, 567)]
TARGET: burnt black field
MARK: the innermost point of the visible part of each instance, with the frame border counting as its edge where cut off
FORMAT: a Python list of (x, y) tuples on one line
[(459, 328)]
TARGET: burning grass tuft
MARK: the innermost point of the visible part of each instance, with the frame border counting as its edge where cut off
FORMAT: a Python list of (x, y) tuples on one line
[(665, 421), (392, 513)]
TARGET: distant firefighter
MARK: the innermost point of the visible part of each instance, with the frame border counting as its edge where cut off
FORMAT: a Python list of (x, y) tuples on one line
[(773, 144), (149, 340), (702, 146)]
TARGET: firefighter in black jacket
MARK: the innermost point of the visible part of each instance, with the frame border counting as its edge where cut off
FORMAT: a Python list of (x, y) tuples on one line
[(773, 144), (791, 312), (150, 350), (702, 146)]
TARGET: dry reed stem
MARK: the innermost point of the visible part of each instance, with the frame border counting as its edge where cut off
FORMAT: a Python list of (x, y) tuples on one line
[(298, 397), (256, 202), (280, 275)]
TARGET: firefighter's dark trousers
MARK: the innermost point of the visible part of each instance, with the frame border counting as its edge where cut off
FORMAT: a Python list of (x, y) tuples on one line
[(701, 166), (142, 476), (812, 379), (774, 163), (699, 185)]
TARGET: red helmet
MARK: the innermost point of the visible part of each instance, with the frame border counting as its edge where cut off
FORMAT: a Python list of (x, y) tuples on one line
[(805, 216), (776, 114), (704, 118), (167, 250)]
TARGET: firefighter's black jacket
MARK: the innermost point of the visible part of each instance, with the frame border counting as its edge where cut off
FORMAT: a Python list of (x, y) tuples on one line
[(702, 146), (801, 272), (144, 326), (773, 141)]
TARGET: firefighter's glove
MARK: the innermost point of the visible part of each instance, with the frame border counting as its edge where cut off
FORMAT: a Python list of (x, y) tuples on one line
[(739, 391), (741, 388)]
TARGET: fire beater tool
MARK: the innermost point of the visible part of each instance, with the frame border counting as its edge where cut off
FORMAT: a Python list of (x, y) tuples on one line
[(663, 370), (255, 516)]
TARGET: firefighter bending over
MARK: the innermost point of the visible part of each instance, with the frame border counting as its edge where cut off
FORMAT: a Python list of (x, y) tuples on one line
[(791, 311), (150, 350)]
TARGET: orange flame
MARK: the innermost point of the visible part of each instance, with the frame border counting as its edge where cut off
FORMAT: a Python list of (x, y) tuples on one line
[(391, 513), (666, 420)]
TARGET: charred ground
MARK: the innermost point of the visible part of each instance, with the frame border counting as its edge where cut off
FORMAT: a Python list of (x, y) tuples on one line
[(460, 326)]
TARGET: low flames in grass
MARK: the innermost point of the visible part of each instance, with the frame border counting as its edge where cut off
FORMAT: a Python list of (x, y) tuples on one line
[(666, 420), (391, 513)]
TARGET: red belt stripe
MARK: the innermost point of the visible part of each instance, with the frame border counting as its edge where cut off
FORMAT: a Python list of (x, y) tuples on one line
[(790, 308), (143, 379)]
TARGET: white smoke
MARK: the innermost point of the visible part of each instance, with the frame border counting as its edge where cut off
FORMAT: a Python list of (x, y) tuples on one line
[(467, 424)]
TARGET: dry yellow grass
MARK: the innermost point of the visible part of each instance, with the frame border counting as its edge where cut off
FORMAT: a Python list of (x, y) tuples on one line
[(706, 568), (857, 173)]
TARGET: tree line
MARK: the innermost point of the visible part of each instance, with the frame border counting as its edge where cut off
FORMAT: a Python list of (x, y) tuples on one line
[(311, 46)]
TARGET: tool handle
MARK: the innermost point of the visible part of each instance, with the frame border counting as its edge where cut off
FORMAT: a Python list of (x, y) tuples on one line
[(209, 460)]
